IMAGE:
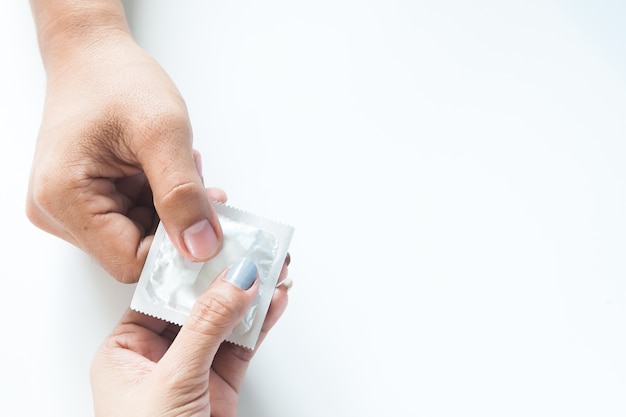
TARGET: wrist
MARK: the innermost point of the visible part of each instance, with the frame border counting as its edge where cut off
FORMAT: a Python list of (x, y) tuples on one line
[(67, 29)]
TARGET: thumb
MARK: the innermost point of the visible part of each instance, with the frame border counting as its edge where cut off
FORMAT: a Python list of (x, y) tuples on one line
[(213, 317), (174, 173)]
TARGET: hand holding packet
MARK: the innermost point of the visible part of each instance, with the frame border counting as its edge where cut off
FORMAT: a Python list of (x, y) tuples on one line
[(170, 284)]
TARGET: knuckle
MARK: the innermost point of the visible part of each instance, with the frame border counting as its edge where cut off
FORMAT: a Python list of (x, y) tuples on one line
[(212, 315), (161, 123), (124, 273), (40, 196), (180, 195), (43, 198), (32, 210), (124, 257)]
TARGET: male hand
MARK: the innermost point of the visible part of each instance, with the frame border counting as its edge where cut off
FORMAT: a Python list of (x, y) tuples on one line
[(114, 155)]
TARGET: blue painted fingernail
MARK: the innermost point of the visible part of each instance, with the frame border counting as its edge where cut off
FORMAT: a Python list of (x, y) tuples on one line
[(242, 273)]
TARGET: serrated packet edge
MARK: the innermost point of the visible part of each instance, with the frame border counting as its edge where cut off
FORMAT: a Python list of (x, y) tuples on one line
[(284, 233)]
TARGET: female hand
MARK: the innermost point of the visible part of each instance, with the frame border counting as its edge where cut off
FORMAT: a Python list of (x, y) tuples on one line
[(114, 153), (148, 367)]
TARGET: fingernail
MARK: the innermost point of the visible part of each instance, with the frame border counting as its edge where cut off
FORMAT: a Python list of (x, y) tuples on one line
[(200, 239), (242, 273)]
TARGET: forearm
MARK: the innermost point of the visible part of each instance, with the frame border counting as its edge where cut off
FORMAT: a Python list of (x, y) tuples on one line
[(68, 28)]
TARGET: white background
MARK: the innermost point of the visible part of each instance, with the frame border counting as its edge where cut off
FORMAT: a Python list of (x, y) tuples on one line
[(455, 174)]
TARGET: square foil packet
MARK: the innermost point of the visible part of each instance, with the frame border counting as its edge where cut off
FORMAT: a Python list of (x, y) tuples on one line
[(170, 284)]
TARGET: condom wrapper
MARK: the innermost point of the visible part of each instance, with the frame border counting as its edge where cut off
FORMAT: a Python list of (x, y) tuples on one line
[(170, 284)]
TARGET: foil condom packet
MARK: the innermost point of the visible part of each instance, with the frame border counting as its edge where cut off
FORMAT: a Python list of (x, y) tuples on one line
[(170, 284)]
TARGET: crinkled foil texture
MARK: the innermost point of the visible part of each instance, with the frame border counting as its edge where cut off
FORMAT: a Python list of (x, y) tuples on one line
[(176, 282), (169, 284)]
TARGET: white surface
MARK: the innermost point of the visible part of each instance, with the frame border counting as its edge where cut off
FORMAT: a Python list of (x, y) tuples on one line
[(455, 175)]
